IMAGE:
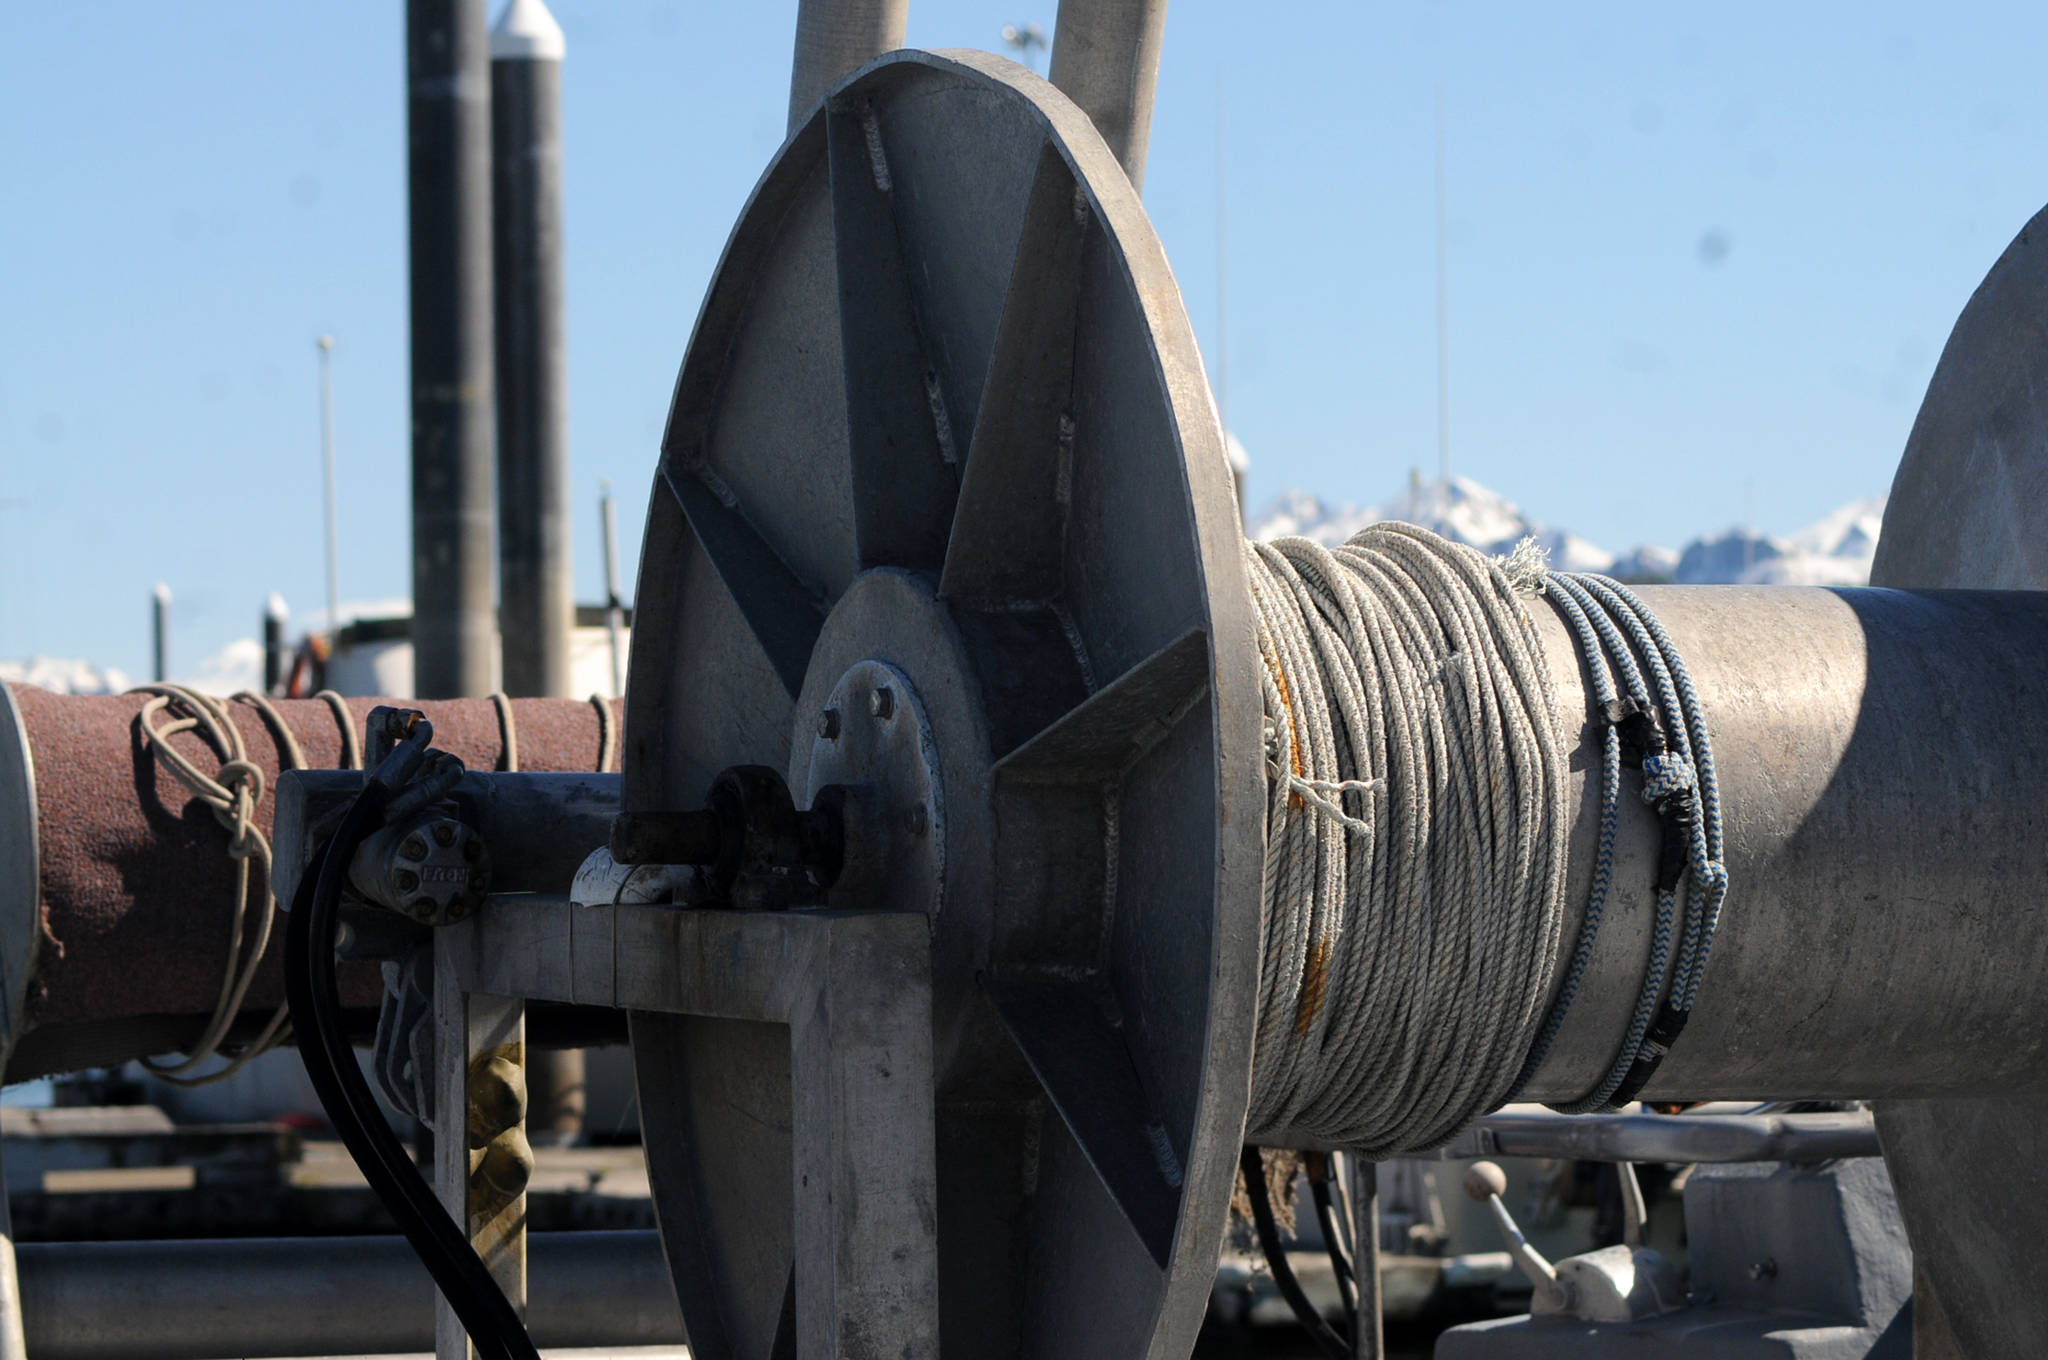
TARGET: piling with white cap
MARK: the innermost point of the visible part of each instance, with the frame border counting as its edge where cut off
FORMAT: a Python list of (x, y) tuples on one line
[(160, 633), (535, 568), (276, 620)]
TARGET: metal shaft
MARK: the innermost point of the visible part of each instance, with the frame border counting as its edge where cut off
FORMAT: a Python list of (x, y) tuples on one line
[(453, 428), (1879, 754), (833, 37), (535, 570), (1105, 56), (319, 1296)]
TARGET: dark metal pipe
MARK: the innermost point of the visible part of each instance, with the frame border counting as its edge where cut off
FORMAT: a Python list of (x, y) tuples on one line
[(1816, 1137), (449, 146), (535, 571), (320, 1296)]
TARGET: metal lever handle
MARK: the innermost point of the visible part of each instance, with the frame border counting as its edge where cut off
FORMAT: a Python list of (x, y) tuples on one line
[(1485, 1182)]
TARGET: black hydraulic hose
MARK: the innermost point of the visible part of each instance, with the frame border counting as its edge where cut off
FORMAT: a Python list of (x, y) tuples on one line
[(313, 993), (1326, 1338), (1333, 1243)]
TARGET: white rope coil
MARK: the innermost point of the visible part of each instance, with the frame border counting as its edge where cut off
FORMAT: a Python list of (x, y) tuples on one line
[(232, 793), (1416, 838)]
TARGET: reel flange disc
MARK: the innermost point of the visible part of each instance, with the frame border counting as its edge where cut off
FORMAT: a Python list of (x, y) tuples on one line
[(1968, 510), (943, 421)]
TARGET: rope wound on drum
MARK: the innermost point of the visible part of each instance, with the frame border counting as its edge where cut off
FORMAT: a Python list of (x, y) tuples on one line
[(1418, 812), (233, 793)]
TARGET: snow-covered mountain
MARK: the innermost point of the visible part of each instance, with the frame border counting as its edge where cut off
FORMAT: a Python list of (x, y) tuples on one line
[(1834, 550), (1461, 509)]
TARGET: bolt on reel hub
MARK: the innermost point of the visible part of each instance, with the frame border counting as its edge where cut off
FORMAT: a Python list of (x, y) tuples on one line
[(943, 520)]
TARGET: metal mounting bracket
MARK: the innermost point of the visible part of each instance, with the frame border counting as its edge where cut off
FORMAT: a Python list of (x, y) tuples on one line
[(854, 990)]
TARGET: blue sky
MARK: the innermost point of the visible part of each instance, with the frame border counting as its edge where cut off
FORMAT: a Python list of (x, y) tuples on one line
[(195, 191)]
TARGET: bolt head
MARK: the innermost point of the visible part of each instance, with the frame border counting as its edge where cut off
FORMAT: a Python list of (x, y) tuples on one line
[(407, 880), (828, 724), (444, 834), (882, 701), (414, 848)]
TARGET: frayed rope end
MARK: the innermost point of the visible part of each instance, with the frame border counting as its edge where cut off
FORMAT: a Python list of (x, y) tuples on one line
[(1527, 566)]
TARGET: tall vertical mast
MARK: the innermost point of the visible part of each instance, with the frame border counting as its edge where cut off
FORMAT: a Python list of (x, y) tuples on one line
[(536, 573), (448, 117)]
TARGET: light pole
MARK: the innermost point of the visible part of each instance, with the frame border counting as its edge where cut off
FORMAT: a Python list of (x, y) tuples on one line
[(326, 343)]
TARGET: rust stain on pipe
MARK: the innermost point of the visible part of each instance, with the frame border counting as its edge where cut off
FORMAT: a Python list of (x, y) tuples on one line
[(137, 886)]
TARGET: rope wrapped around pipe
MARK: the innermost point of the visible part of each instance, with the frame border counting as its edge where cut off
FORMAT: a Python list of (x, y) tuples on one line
[(1413, 908)]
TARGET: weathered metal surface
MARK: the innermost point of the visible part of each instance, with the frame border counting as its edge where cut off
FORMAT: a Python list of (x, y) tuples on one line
[(448, 192), (1787, 1263), (872, 738), (851, 992), (135, 880), (833, 37), (536, 575), (1969, 508), (1105, 55), (481, 1157), (539, 827), (1669, 1138), (320, 1296), (1879, 757), (20, 865), (945, 266)]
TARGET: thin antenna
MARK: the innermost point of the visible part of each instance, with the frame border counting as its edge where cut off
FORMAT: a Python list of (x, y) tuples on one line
[(1222, 266), (1748, 526), (1443, 304), (612, 607), (326, 343)]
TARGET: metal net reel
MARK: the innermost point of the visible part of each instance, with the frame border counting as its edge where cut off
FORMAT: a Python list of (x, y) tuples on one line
[(943, 510)]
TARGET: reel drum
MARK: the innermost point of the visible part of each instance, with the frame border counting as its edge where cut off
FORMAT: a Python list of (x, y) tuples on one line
[(943, 515)]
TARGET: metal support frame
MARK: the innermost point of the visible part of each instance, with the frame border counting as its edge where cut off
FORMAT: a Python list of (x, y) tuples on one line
[(854, 990), (474, 1035)]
